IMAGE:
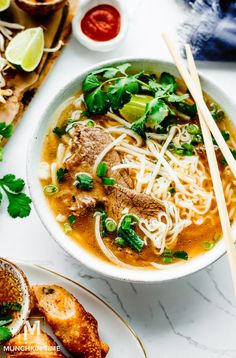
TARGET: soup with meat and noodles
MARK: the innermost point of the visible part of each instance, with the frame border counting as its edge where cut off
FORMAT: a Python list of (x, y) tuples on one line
[(125, 172)]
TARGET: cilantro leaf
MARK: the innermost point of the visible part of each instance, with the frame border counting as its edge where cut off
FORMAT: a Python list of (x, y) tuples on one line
[(175, 98), (13, 184), (157, 111), (168, 80), (90, 82), (97, 102), (18, 203), (6, 129), (5, 334), (61, 172), (183, 255), (120, 93), (190, 110), (60, 131)]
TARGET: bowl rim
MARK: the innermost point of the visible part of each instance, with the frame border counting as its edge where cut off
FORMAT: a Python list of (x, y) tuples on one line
[(82, 256)]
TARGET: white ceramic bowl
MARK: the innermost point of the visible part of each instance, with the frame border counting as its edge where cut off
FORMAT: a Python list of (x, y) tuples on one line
[(101, 46), (48, 219)]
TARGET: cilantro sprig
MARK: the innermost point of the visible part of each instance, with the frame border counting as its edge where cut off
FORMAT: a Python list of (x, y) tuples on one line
[(5, 132), (18, 202), (110, 87)]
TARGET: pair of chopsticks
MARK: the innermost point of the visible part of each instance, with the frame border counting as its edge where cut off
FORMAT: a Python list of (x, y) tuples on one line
[(209, 126)]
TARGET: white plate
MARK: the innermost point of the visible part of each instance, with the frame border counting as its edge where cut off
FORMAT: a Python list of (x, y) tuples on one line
[(113, 329)]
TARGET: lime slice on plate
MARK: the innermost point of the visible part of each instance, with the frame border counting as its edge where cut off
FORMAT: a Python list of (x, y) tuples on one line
[(4, 4), (25, 50)]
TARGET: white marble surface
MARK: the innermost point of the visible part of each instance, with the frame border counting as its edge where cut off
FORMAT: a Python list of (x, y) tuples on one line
[(192, 317)]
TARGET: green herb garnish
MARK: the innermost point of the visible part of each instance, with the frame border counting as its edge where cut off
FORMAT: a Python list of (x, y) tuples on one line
[(102, 169), (110, 225), (50, 189), (120, 241), (61, 172), (84, 182), (60, 131), (71, 219), (181, 255), (108, 181), (6, 130), (167, 256), (103, 220), (127, 233), (172, 191), (18, 202), (5, 334)]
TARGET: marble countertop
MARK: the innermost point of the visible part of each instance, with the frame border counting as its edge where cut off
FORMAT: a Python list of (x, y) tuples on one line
[(191, 317)]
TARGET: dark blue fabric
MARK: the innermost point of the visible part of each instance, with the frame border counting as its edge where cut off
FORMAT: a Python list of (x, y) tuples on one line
[(210, 29)]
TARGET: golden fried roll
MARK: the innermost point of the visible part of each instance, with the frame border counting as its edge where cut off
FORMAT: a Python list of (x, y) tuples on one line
[(72, 325), (32, 345)]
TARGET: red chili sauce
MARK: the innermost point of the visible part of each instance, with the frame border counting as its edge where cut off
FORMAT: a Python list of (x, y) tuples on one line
[(101, 23)]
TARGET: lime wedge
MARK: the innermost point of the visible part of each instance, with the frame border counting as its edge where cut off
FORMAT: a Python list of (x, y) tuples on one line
[(134, 109), (26, 49), (4, 4)]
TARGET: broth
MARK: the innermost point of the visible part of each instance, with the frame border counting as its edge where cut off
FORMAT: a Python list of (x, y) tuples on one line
[(194, 239)]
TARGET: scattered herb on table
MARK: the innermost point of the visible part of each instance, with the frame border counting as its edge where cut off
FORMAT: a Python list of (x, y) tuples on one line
[(18, 202)]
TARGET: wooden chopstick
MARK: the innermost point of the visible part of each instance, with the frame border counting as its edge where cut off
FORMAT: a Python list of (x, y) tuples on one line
[(215, 174), (198, 98)]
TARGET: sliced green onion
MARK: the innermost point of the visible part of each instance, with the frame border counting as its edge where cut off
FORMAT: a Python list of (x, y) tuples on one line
[(128, 220), (120, 241), (90, 123), (103, 220), (50, 189), (207, 245), (179, 151), (108, 181), (167, 259), (67, 228), (102, 169), (84, 182), (110, 225), (192, 129), (197, 138)]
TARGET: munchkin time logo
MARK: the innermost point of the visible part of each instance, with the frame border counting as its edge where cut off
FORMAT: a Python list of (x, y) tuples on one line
[(32, 339)]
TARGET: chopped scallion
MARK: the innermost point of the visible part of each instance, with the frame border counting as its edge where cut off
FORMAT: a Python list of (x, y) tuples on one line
[(120, 241), (110, 225), (102, 169), (108, 181), (50, 189), (84, 182)]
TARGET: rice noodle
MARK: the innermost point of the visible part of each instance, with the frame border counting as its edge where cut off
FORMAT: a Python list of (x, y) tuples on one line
[(131, 133), (60, 154), (162, 152), (54, 173), (118, 119)]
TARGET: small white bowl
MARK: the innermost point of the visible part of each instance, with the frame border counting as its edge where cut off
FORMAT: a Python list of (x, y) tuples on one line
[(74, 248), (101, 46)]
